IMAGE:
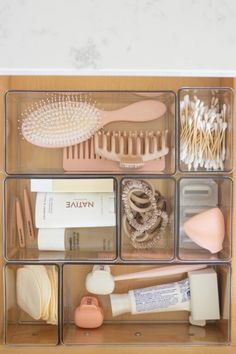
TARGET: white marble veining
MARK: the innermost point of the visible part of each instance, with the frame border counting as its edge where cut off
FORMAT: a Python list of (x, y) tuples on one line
[(128, 37)]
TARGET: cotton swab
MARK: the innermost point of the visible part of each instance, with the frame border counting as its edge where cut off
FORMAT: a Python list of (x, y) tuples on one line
[(203, 131)]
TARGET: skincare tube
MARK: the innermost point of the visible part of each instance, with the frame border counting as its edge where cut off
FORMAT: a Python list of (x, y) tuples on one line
[(90, 239), (160, 298)]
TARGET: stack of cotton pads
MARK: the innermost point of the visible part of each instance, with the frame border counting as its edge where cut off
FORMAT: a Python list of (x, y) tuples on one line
[(36, 290)]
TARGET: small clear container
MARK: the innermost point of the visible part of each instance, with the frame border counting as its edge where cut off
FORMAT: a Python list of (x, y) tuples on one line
[(212, 198), (21, 329), (205, 128), (147, 219), (146, 329), (50, 229), (146, 144)]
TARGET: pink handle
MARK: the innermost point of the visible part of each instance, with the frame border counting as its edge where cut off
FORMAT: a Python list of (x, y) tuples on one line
[(20, 224), (160, 272), (28, 215), (141, 111)]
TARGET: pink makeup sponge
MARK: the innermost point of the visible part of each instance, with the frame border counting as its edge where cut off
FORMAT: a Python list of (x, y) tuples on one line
[(207, 229), (88, 314)]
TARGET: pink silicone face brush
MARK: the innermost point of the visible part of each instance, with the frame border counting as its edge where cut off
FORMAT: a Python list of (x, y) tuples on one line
[(69, 120)]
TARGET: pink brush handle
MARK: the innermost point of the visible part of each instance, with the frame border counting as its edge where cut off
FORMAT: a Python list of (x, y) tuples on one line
[(141, 111), (160, 272)]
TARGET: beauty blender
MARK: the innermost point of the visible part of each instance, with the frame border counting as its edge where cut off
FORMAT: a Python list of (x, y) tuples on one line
[(207, 229)]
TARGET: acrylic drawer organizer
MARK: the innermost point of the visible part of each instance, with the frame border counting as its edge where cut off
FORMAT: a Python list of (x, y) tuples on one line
[(140, 329), (125, 132), (155, 206), (207, 201), (92, 237), (29, 320), (205, 129), (159, 197)]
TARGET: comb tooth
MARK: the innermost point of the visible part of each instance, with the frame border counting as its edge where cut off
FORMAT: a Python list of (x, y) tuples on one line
[(130, 144), (92, 148), (76, 151), (142, 142), (72, 151), (117, 136), (66, 153), (134, 142), (113, 143), (166, 134), (154, 146), (158, 139), (125, 145), (108, 141), (151, 142), (146, 144), (138, 145), (86, 149), (80, 151), (122, 145), (96, 141), (104, 141)]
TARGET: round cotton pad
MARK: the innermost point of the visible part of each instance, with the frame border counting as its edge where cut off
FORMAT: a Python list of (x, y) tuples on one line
[(28, 293), (55, 279), (41, 275), (52, 317)]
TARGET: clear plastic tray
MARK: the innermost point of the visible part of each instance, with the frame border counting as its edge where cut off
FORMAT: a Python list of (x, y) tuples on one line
[(20, 328), (140, 329), (157, 241), (24, 157), (205, 194), (199, 135), (57, 242)]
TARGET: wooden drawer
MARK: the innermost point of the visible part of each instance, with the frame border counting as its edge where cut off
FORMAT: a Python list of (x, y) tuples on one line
[(114, 83)]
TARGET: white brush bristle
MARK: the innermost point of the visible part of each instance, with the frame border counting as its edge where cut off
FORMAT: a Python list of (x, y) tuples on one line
[(60, 121)]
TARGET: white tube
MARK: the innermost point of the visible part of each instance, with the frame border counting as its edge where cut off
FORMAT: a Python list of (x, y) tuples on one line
[(160, 298)]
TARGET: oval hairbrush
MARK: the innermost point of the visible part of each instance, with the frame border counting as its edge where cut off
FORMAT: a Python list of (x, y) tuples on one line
[(69, 120)]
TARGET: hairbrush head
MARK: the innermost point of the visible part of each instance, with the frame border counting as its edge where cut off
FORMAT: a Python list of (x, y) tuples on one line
[(60, 121), (67, 120)]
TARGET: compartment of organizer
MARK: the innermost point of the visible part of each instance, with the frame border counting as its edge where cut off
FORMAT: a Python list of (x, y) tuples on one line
[(205, 129), (60, 219), (31, 304), (205, 218), (147, 223), (84, 310), (102, 131)]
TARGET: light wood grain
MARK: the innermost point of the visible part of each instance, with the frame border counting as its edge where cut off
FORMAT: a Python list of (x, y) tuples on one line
[(110, 83)]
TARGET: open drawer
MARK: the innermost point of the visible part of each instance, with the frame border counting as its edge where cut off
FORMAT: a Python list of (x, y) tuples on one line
[(168, 332)]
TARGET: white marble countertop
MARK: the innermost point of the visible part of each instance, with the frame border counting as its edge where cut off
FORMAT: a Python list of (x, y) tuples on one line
[(118, 37)]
